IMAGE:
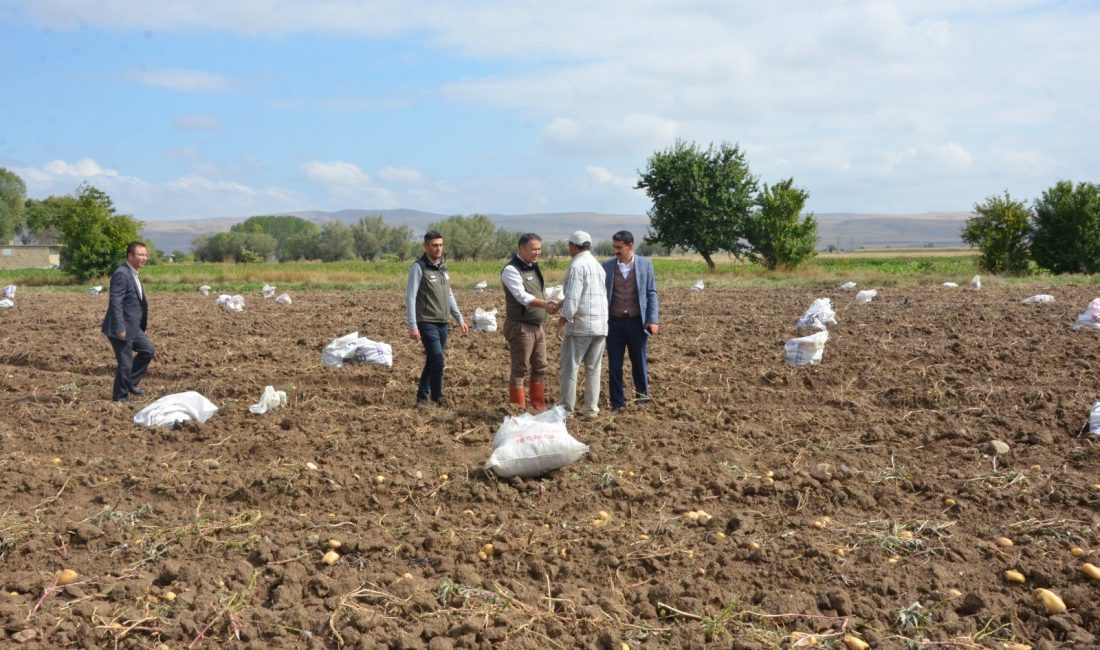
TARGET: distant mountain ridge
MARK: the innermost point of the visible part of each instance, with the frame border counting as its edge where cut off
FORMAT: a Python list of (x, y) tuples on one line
[(843, 230)]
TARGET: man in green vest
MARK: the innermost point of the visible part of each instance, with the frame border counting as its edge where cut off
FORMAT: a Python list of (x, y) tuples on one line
[(525, 311), (428, 300)]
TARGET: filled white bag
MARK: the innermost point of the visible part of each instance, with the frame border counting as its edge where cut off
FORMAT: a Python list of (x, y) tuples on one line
[(1094, 420), (807, 350), (283, 299), (351, 348), (9, 291), (231, 303), (270, 399), (976, 282), (950, 285), (532, 445), (481, 286), (205, 289), (96, 290), (848, 286), (865, 296), (268, 291), (485, 321), (817, 316), (1090, 318), (555, 293), (6, 304), (1040, 298), (179, 407), (698, 286)]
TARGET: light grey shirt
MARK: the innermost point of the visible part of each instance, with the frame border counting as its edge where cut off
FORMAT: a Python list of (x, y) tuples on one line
[(585, 306), (137, 281)]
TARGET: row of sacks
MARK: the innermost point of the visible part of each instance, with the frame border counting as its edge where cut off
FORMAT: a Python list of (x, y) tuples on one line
[(191, 406)]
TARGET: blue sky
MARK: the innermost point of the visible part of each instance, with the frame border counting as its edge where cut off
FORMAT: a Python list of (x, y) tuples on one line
[(187, 109)]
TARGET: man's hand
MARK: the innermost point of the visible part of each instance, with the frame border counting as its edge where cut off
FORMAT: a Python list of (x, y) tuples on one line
[(561, 329), (552, 307), (653, 328), (414, 334), (122, 335), (465, 328)]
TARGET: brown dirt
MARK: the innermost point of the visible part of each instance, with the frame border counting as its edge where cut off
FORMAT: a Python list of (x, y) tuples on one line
[(859, 454)]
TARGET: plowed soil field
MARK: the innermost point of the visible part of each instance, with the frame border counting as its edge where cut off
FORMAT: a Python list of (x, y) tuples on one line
[(860, 497)]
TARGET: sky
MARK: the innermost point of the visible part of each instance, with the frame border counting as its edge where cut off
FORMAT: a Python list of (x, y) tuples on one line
[(185, 109)]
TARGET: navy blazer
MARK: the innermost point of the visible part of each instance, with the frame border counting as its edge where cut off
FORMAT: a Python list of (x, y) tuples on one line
[(647, 285), (126, 310)]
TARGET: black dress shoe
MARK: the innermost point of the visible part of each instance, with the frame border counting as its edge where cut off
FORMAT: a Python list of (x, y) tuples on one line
[(140, 392)]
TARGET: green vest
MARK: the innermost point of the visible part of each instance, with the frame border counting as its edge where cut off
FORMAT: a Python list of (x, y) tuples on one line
[(431, 295), (531, 277)]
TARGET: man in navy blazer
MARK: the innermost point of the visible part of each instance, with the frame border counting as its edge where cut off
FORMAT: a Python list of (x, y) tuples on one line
[(125, 323), (632, 317)]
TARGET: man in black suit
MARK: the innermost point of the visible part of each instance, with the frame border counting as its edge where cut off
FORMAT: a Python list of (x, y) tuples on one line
[(125, 323)]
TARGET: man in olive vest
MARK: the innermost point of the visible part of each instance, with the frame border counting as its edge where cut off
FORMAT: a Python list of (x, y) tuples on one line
[(525, 312), (428, 300)]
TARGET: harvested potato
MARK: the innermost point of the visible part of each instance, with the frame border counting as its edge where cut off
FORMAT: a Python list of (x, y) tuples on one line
[(1012, 575), (1004, 542), (1091, 570), (488, 550), (1050, 600), (853, 642), (330, 558), (1077, 551), (66, 577)]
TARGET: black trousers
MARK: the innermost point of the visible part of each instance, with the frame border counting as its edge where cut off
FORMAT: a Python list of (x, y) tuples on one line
[(130, 368)]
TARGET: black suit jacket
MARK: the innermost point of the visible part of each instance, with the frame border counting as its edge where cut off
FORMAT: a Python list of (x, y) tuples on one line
[(126, 310)]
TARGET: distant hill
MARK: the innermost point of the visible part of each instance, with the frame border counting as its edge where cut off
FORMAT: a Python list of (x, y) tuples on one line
[(843, 230)]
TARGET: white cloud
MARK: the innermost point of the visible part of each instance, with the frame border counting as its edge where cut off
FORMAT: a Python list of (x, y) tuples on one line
[(347, 182), (190, 196), (400, 174), (336, 174), (187, 81), (631, 134), (605, 177), (196, 122)]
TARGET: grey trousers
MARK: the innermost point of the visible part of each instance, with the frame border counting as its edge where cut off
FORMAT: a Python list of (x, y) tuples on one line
[(576, 350)]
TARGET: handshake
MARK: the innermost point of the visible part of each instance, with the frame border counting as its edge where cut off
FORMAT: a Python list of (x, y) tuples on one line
[(552, 307)]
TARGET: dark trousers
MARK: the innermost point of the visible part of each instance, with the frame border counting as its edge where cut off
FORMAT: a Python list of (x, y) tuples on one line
[(434, 338), (130, 368), (627, 335)]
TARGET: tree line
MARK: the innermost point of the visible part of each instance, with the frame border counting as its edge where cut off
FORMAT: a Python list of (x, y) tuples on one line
[(1059, 232)]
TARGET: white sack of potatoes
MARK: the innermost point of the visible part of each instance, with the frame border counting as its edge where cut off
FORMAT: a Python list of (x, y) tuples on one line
[(481, 286), (268, 291), (950, 285), (976, 282), (848, 286), (698, 286), (555, 293), (6, 304), (533, 445), (1090, 318), (864, 297), (351, 348), (283, 299), (178, 407), (485, 321), (1040, 298), (807, 350), (817, 316)]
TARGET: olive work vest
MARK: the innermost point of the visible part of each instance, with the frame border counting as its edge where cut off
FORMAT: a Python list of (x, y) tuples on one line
[(431, 296), (531, 277)]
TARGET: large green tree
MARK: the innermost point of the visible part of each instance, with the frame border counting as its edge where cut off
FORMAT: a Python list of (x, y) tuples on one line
[(234, 247), (93, 235), (42, 219), (337, 242), (701, 198), (467, 238), (1000, 228), (778, 234), (281, 227), (13, 193), (1065, 236), (375, 238)]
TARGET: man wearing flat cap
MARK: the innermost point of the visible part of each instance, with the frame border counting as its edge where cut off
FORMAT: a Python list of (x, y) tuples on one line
[(582, 326)]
